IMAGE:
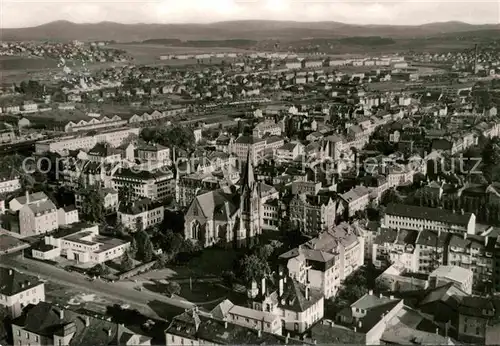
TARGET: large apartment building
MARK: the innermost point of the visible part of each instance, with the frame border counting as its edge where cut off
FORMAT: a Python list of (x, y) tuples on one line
[(326, 260), (113, 137), (153, 185), (417, 218), (245, 144)]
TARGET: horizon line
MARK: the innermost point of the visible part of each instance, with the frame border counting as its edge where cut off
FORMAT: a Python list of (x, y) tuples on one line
[(247, 20)]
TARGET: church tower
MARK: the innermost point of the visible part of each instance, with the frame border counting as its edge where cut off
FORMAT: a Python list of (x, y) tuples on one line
[(250, 226)]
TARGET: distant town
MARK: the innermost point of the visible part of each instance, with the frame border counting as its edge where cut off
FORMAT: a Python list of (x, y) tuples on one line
[(250, 197)]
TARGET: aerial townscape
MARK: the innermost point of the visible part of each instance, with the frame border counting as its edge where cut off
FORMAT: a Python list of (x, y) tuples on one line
[(250, 183)]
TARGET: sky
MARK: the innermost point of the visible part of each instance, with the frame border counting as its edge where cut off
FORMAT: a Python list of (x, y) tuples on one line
[(25, 13)]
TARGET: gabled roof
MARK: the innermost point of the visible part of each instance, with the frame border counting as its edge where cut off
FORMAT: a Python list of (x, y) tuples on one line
[(294, 296), (13, 282)]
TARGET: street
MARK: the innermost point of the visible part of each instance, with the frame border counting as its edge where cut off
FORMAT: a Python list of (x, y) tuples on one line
[(116, 291)]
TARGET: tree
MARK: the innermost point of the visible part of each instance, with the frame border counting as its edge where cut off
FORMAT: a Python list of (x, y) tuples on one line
[(148, 251), (254, 268), (127, 262), (133, 248), (92, 205), (173, 288), (98, 270)]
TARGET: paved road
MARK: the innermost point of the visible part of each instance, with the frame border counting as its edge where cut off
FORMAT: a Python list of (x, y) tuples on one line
[(115, 291)]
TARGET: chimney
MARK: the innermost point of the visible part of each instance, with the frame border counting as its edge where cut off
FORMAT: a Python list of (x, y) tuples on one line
[(11, 272), (355, 329), (27, 197), (437, 330), (360, 324), (380, 295), (87, 321), (259, 333), (308, 293), (263, 286), (225, 324), (486, 241), (280, 292), (287, 337), (370, 292), (61, 314)]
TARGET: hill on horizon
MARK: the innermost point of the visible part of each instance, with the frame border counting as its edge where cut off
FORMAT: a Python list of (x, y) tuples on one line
[(229, 30)]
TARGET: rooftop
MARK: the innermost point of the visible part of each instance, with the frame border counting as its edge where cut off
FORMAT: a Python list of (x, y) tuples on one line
[(13, 281), (433, 214)]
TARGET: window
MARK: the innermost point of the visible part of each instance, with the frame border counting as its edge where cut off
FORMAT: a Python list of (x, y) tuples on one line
[(18, 333), (27, 335), (36, 338)]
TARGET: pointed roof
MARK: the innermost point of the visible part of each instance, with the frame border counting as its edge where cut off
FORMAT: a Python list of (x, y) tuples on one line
[(248, 177)]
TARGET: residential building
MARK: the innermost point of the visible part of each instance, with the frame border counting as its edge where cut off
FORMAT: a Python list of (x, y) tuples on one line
[(9, 184), (264, 321), (38, 218), (153, 153), (249, 146), (325, 261), (18, 290), (81, 243), (289, 152), (356, 199), (266, 127), (48, 324), (312, 213), (416, 218), (104, 153), (298, 305), (370, 315), (477, 316), (156, 185), (460, 277), (193, 328), (141, 214), (476, 253)]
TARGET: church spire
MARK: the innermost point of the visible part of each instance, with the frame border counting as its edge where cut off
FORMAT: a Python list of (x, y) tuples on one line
[(248, 178)]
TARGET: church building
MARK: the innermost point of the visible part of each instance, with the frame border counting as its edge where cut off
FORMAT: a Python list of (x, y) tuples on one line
[(231, 215)]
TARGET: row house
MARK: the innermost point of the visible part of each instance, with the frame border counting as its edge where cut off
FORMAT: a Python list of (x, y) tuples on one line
[(194, 328), (49, 324), (476, 253)]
